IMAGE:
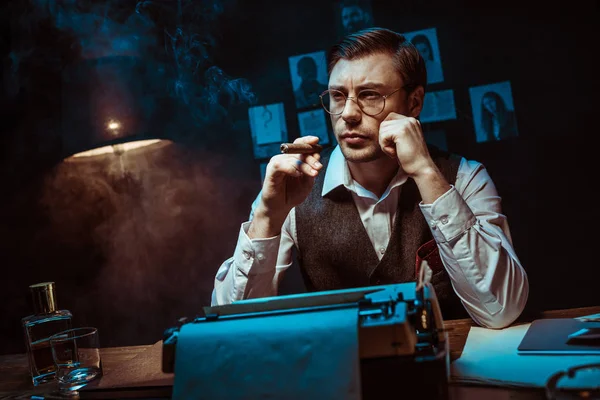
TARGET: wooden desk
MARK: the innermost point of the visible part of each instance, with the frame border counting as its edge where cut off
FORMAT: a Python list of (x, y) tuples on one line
[(15, 380)]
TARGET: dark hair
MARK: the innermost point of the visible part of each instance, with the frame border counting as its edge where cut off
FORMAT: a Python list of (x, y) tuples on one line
[(487, 118), (305, 63), (407, 60), (422, 39)]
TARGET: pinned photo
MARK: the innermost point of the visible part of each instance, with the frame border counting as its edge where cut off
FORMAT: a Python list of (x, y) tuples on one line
[(426, 42), (314, 123), (493, 112), (309, 78), (353, 16), (268, 129), (438, 106)]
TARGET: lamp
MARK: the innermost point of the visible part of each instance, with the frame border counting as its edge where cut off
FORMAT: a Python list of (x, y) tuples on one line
[(110, 106)]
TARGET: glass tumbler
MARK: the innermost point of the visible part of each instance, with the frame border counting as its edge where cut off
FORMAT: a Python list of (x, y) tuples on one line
[(76, 355)]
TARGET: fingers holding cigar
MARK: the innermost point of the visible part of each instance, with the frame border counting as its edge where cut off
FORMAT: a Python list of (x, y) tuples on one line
[(310, 156), (302, 155), (296, 165)]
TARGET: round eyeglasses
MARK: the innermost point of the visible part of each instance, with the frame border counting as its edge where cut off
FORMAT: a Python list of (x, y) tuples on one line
[(370, 101)]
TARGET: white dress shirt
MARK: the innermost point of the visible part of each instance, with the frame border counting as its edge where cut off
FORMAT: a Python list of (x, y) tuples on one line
[(466, 222)]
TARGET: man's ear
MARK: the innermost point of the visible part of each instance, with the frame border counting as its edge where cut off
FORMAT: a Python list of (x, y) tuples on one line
[(415, 101)]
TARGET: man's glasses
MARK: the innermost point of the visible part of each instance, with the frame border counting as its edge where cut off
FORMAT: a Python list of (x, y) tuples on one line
[(369, 101)]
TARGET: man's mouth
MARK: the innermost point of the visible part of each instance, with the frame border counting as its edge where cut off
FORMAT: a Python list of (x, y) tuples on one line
[(353, 135), (353, 138)]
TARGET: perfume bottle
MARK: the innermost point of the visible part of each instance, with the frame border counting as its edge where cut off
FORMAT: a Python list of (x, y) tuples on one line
[(45, 322)]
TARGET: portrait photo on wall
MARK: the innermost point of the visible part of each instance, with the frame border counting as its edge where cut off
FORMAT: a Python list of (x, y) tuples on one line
[(426, 42), (352, 16), (309, 78), (438, 106), (314, 123), (493, 112), (268, 129)]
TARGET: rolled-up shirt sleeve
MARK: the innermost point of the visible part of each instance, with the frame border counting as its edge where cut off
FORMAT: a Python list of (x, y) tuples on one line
[(476, 248)]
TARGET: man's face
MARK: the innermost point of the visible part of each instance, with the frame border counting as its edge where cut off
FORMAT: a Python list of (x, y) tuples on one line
[(356, 132), (353, 18)]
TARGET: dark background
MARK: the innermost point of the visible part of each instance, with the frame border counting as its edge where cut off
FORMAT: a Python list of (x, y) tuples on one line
[(133, 242)]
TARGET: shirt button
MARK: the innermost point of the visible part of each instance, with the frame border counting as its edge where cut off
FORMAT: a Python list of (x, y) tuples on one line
[(260, 256), (247, 255), (382, 250), (444, 219), (433, 224)]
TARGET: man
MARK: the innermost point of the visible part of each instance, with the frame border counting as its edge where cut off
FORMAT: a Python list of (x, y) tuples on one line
[(307, 94), (359, 216), (354, 16)]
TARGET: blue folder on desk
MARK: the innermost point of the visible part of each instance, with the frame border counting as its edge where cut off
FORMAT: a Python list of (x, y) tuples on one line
[(561, 336)]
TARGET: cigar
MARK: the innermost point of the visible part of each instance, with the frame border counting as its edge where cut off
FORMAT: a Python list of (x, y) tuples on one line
[(300, 148)]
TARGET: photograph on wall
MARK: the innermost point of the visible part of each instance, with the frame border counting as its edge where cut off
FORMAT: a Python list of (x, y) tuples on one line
[(309, 78), (314, 123), (436, 137), (268, 129), (438, 106), (352, 16), (493, 112), (426, 42)]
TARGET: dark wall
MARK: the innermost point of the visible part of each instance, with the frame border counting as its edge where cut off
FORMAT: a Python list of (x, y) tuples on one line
[(134, 242)]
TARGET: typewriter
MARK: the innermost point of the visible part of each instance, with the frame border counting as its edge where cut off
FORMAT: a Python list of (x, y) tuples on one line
[(403, 346)]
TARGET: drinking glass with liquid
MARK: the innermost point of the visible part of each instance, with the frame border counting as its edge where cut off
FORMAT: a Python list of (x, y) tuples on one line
[(76, 354)]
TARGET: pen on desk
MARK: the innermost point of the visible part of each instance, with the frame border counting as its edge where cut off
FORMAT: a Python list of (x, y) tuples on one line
[(300, 148)]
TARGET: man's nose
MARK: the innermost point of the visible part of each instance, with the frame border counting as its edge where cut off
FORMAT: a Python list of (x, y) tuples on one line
[(351, 111)]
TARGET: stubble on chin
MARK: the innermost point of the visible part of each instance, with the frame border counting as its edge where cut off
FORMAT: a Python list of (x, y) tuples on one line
[(359, 154), (362, 154)]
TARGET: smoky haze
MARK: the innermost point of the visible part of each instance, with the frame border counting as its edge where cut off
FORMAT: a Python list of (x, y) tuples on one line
[(172, 41), (156, 218), (133, 240)]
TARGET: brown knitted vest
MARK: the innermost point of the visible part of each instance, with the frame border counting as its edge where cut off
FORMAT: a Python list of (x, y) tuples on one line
[(335, 251)]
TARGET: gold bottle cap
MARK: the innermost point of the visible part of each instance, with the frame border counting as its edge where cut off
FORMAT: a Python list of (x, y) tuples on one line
[(44, 297)]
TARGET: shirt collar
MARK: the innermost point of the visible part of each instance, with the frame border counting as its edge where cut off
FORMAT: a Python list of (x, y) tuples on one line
[(338, 174)]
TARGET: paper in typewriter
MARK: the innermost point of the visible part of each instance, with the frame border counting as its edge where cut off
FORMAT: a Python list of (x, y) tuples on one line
[(309, 355)]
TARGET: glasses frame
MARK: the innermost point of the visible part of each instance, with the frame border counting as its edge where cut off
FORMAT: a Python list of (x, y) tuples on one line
[(355, 99)]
